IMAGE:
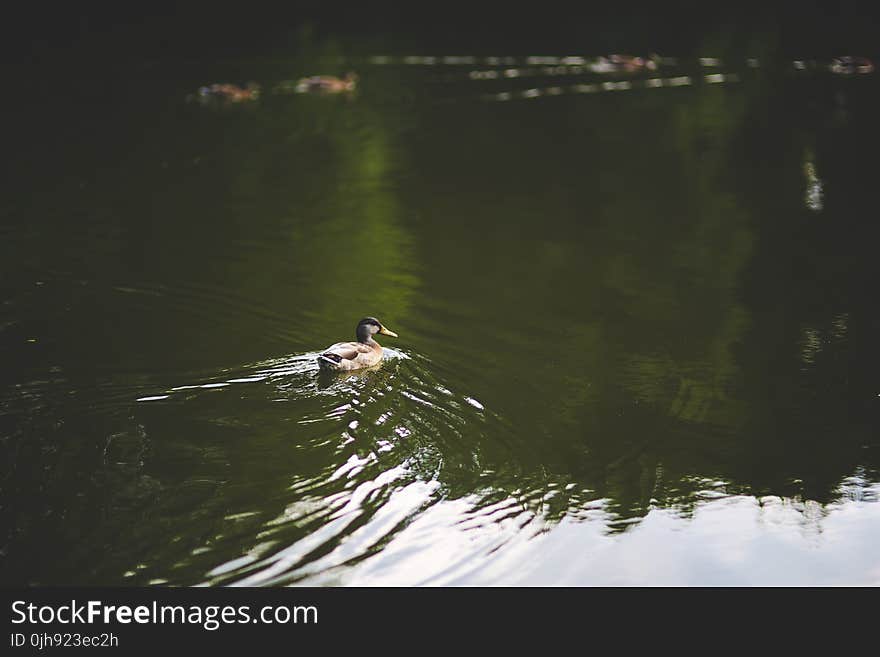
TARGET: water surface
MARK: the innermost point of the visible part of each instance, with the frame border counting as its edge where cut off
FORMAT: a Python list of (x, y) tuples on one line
[(638, 335)]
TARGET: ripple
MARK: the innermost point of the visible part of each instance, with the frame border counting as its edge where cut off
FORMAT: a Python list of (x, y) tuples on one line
[(382, 433)]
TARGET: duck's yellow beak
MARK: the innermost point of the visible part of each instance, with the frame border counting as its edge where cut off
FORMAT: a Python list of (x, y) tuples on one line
[(385, 331)]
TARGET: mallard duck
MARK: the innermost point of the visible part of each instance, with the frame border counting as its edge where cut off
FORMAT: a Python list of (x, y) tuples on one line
[(355, 355), (849, 65), (327, 84), (231, 92)]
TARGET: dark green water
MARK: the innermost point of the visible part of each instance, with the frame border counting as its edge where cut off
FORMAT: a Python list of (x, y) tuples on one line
[(638, 332)]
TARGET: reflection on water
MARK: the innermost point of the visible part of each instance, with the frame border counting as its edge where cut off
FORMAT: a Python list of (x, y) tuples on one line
[(731, 541), (813, 193), (633, 349)]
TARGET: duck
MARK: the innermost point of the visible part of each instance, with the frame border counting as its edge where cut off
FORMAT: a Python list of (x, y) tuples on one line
[(327, 83), (366, 352), (849, 65), (231, 92)]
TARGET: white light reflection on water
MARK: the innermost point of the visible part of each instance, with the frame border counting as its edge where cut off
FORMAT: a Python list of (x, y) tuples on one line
[(813, 192), (274, 369), (732, 541), (406, 501), (621, 85)]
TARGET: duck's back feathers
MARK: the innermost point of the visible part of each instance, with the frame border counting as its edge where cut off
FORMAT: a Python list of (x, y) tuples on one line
[(350, 356)]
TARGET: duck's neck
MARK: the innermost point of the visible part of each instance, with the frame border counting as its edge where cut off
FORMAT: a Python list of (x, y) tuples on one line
[(364, 336)]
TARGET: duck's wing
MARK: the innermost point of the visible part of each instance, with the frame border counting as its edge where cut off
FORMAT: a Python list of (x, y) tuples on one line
[(346, 351)]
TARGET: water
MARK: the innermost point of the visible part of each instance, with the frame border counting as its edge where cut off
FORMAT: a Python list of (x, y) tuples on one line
[(637, 330)]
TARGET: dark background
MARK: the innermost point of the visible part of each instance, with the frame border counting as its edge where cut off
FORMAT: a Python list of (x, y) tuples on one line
[(105, 33)]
